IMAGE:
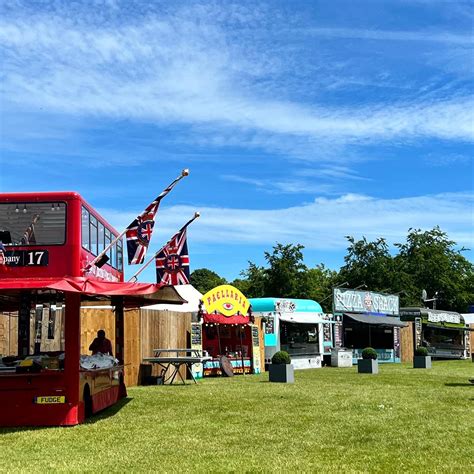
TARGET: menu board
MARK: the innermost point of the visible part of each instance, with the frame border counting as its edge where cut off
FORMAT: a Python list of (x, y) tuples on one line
[(196, 334), (396, 341), (196, 343), (338, 331), (418, 331), (269, 325), (327, 332), (255, 339)]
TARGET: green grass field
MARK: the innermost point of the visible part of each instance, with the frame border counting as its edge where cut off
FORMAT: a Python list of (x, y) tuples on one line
[(330, 420)]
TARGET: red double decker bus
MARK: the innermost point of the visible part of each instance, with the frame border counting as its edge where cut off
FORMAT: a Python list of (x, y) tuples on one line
[(55, 234), (47, 241)]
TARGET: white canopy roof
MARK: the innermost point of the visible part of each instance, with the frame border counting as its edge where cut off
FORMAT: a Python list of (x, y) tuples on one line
[(303, 318), (189, 293), (468, 318)]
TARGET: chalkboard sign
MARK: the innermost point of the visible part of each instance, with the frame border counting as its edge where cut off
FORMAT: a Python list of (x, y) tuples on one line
[(327, 332), (338, 332), (255, 338), (269, 326), (396, 341), (196, 334)]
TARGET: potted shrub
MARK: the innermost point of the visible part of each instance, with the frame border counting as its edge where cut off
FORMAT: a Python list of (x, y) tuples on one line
[(421, 360), (281, 369), (369, 363)]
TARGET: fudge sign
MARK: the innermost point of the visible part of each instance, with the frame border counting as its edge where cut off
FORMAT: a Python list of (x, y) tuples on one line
[(353, 301)]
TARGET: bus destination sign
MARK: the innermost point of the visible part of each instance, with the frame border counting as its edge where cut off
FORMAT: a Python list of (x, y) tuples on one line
[(24, 258)]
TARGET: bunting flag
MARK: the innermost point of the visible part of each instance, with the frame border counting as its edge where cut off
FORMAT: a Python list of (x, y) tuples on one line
[(139, 232), (172, 261)]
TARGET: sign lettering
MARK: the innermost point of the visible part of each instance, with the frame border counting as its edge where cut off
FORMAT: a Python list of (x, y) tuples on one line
[(353, 301), (443, 317), (285, 306), (26, 258), (226, 300), (49, 400)]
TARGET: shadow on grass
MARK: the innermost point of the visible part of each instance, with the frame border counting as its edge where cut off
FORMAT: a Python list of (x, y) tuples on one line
[(466, 384), (108, 412), (102, 415)]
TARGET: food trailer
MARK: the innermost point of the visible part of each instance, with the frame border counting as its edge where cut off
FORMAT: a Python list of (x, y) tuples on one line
[(296, 326), (444, 333), (367, 319), (225, 327), (46, 241)]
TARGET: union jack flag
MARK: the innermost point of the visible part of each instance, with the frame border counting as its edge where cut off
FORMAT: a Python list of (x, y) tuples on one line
[(139, 232), (172, 262)]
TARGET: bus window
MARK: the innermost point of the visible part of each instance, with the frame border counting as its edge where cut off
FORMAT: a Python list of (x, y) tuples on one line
[(119, 265), (85, 229), (112, 253), (38, 223), (107, 242), (101, 238), (93, 232)]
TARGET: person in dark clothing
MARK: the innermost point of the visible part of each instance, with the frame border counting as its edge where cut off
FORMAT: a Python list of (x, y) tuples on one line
[(101, 344)]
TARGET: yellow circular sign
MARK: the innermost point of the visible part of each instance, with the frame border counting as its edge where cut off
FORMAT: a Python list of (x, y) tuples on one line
[(226, 300)]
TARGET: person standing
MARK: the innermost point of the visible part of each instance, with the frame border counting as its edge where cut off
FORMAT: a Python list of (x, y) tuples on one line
[(101, 344)]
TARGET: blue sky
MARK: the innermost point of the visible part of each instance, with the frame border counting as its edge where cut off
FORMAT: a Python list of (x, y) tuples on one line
[(300, 122)]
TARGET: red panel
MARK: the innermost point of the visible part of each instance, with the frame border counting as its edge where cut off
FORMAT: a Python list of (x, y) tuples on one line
[(106, 398), (221, 319), (17, 395)]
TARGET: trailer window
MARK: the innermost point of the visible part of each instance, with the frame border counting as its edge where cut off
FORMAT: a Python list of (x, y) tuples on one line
[(299, 339)]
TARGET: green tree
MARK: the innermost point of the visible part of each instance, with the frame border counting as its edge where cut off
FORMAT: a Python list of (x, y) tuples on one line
[(370, 264), (286, 272), (253, 283), (319, 282), (204, 280), (429, 260)]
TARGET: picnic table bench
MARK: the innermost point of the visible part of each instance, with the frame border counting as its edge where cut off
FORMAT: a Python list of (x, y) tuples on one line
[(176, 358)]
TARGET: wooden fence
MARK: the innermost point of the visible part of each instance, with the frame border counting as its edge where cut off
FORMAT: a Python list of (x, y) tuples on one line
[(406, 343)]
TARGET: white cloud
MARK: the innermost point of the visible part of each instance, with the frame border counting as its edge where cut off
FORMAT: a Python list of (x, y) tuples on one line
[(395, 35), (321, 224), (175, 69)]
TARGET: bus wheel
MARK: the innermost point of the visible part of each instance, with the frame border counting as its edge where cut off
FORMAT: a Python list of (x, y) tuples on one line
[(87, 402)]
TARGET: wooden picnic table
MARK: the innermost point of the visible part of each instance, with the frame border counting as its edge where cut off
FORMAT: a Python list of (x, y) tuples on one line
[(176, 358)]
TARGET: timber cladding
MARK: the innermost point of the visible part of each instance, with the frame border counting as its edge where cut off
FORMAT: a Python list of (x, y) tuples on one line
[(164, 330), (406, 343), (8, 333)]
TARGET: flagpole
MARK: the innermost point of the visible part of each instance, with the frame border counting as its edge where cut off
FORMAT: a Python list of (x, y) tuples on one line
[(134, 277), (184, 173)]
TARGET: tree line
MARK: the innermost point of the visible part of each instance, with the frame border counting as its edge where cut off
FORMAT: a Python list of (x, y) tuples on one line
[(427, 260)]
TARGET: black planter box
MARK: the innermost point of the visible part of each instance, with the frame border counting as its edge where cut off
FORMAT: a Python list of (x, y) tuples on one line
[(283, 373), (368, 366), (422, 362)]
